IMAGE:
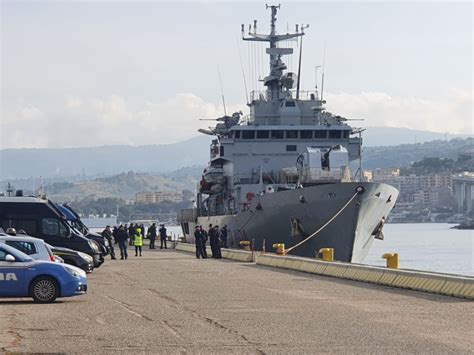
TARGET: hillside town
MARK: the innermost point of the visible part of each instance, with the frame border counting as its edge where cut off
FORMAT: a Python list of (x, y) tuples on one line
[(437, 197), (436, 188)]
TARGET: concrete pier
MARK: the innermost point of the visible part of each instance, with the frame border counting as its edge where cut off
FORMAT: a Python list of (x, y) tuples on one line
[(170, 302)]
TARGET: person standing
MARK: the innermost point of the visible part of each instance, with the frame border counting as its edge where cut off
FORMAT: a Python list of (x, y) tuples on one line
[(152, 235), (211, 232), (125, 227), (198, 241), (224, 236), (203, 240), (143, 230), (163, 236), (138, 241), (122, 237), (114, 234), (107, 234), (217, 243), (131, 233)]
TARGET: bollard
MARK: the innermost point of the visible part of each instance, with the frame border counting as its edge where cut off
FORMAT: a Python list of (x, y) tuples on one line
[(280, 247), (392, 260), (245, 245), (328, 254)]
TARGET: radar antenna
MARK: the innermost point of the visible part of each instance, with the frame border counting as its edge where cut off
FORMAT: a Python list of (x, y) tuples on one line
[(316, 80), (222, 90), (322, 78), (299, 63), (273, 80)]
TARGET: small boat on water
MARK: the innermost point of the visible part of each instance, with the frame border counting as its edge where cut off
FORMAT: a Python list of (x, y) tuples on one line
[(467, 224)]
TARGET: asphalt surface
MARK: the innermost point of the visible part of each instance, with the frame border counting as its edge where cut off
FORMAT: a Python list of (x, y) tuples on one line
[(169, 302)]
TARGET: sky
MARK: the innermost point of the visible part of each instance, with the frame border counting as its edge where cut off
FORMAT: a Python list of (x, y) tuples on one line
[(87, 73)]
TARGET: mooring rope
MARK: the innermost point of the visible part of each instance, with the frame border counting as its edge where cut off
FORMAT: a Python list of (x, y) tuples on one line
[(324, 226)]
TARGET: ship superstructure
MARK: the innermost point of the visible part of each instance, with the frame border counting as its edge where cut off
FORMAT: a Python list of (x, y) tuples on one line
[(279, 173)]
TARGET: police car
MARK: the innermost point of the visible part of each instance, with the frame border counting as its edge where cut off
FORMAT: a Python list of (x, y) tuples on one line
[(35, 248), (21, 276)]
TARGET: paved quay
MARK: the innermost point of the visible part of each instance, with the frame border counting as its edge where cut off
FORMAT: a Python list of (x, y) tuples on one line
[(169, 302)]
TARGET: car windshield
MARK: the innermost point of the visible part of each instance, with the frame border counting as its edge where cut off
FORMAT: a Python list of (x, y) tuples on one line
[(78, 225), (15, 252)]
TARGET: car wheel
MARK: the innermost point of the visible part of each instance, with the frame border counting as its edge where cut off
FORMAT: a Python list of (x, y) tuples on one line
[(44, 289)]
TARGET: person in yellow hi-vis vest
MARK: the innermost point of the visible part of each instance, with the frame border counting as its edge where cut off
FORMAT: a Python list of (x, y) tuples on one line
[(138, 241)]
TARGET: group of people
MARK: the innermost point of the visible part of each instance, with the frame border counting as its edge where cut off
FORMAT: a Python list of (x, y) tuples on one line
[(217, 240), (134, 234)]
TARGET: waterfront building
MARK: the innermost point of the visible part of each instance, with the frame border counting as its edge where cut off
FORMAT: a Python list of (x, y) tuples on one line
[(158, 197), (463, 187), (385, 174)]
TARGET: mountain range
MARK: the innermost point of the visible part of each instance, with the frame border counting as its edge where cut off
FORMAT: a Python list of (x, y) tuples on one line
[(79, 163)]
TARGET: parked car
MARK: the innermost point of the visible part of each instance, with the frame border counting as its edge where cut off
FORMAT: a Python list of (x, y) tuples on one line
[(75, 258), (58, 259), (41, 218), (75, 221), (35, 248), (44, 281)]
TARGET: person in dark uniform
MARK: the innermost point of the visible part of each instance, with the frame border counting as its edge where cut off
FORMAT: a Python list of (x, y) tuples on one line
[(211, 232), (131, 234), (204, 240), (143, 231), (122, 237), (107, 234), (152, 235), (224, 236), (217, 243), (114, 234), (126, 228), (163, 236), (198, 241)]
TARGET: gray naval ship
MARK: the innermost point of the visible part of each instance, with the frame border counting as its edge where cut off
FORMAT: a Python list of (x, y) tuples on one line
[(282, 173)]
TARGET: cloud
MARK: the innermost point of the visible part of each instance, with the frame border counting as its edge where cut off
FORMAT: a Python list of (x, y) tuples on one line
[(92, 121), (450, 114), (81, 122)]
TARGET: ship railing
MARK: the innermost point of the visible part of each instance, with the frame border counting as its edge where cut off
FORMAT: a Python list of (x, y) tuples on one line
[(306, 95), (308, 175), (293, 176), (187, 215), (276, 119), (258, 95), (273, 177), (245, 120), (261, 95)]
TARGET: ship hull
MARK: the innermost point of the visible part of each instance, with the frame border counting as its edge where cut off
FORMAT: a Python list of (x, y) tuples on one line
[(269, 217)]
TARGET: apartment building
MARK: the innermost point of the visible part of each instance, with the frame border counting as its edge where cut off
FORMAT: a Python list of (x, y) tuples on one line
[(158, 197)]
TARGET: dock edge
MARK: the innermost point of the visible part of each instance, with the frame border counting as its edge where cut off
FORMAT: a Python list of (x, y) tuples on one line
[(424, 281)]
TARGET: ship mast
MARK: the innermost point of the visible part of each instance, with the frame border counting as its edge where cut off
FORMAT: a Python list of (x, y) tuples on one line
[(273, 80)]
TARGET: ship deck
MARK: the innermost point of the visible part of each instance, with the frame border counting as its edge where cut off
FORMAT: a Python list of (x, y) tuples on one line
[(169, 302)]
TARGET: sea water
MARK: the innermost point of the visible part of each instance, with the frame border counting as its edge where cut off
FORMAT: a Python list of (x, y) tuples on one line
[(426, 246), (421, 246)]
